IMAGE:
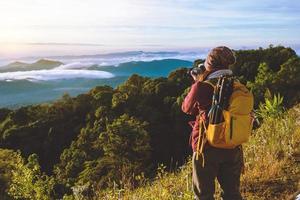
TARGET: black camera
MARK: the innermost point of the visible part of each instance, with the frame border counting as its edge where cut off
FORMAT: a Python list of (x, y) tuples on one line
[(199, 69)]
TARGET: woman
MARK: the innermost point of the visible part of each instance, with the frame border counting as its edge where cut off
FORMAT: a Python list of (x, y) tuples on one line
[(223, 164)]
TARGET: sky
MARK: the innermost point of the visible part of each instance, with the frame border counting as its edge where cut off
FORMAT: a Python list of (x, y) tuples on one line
[(73, 27)]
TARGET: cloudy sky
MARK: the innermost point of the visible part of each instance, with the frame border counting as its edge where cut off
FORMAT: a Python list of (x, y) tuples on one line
[(51, 27)]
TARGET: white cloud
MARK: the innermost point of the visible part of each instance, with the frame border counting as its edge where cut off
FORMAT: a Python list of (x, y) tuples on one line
[(55, 74)]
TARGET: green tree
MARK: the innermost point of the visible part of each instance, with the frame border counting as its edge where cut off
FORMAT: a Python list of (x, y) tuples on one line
[(287, 81), (264, 80), (126, 153), (28, 182), (83, 149), (8, 163)]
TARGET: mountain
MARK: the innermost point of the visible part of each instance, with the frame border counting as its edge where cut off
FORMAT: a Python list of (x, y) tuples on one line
[(26, 90), (121, 54), (114, 59), (153, 69), (17, 64), (38, 65)]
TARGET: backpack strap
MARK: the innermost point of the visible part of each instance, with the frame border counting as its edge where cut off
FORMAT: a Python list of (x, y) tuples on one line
[(201, 140), (202, 130), (210, 83)]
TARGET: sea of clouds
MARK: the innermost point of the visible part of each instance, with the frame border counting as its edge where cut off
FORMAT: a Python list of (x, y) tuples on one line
[(114, 59), (78, 66), (54, 74)]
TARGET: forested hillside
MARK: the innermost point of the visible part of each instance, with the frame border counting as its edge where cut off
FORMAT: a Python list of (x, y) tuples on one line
[(272, 168), (109, 138)]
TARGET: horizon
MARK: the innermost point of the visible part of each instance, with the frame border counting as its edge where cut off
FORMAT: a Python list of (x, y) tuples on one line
[(65, 27), (188, 54)]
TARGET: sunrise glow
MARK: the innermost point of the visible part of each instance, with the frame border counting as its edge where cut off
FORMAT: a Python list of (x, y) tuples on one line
[(74, 26)]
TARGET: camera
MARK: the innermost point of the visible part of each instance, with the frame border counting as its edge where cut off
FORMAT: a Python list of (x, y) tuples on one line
[(199, 69)]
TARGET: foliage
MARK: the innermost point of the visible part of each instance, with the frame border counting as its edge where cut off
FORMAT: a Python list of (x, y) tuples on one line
[(113, 137), (272, 108), (28, 182), (166, 185), (272, 157), (247, 61), (287, 81), (38, 128), (272, 170), (88, 159), (263, 81), (126, 150), (276, 69), (8, 163)]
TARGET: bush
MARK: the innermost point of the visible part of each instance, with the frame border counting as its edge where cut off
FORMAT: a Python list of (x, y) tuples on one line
[(272, 108), (28, 182)]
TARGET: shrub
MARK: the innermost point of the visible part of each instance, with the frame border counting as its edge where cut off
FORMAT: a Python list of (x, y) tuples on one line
[(28, 182), (272, 108)]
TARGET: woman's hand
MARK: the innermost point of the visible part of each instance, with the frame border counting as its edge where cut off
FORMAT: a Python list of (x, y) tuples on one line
[(195, 77)]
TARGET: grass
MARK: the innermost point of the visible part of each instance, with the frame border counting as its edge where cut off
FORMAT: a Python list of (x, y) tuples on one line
[(272, 167), (272, 158)]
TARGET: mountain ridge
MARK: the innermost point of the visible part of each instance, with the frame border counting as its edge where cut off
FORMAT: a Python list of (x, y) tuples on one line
[(38, 65), (145, 68)]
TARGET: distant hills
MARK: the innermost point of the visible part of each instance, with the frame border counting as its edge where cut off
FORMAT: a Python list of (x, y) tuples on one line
[(114, 59), (38, 65), (24, 91), (124, 54), (153, 68)]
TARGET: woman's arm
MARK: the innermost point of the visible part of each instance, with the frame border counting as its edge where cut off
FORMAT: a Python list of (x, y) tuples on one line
[(190, 103), (198, 98)]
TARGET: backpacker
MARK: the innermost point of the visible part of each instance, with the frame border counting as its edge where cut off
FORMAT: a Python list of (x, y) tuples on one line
[(230, 121)]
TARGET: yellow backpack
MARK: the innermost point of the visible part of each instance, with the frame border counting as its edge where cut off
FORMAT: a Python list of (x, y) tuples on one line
[(229, 124)]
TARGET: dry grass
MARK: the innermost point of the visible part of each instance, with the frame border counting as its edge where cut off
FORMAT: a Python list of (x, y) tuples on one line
[(272, 167)]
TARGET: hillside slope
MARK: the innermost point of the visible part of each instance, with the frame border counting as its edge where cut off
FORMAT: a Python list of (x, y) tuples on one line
[(272, 167)]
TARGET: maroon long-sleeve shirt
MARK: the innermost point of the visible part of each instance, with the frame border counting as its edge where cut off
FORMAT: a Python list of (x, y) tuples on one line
[(197, 103)]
